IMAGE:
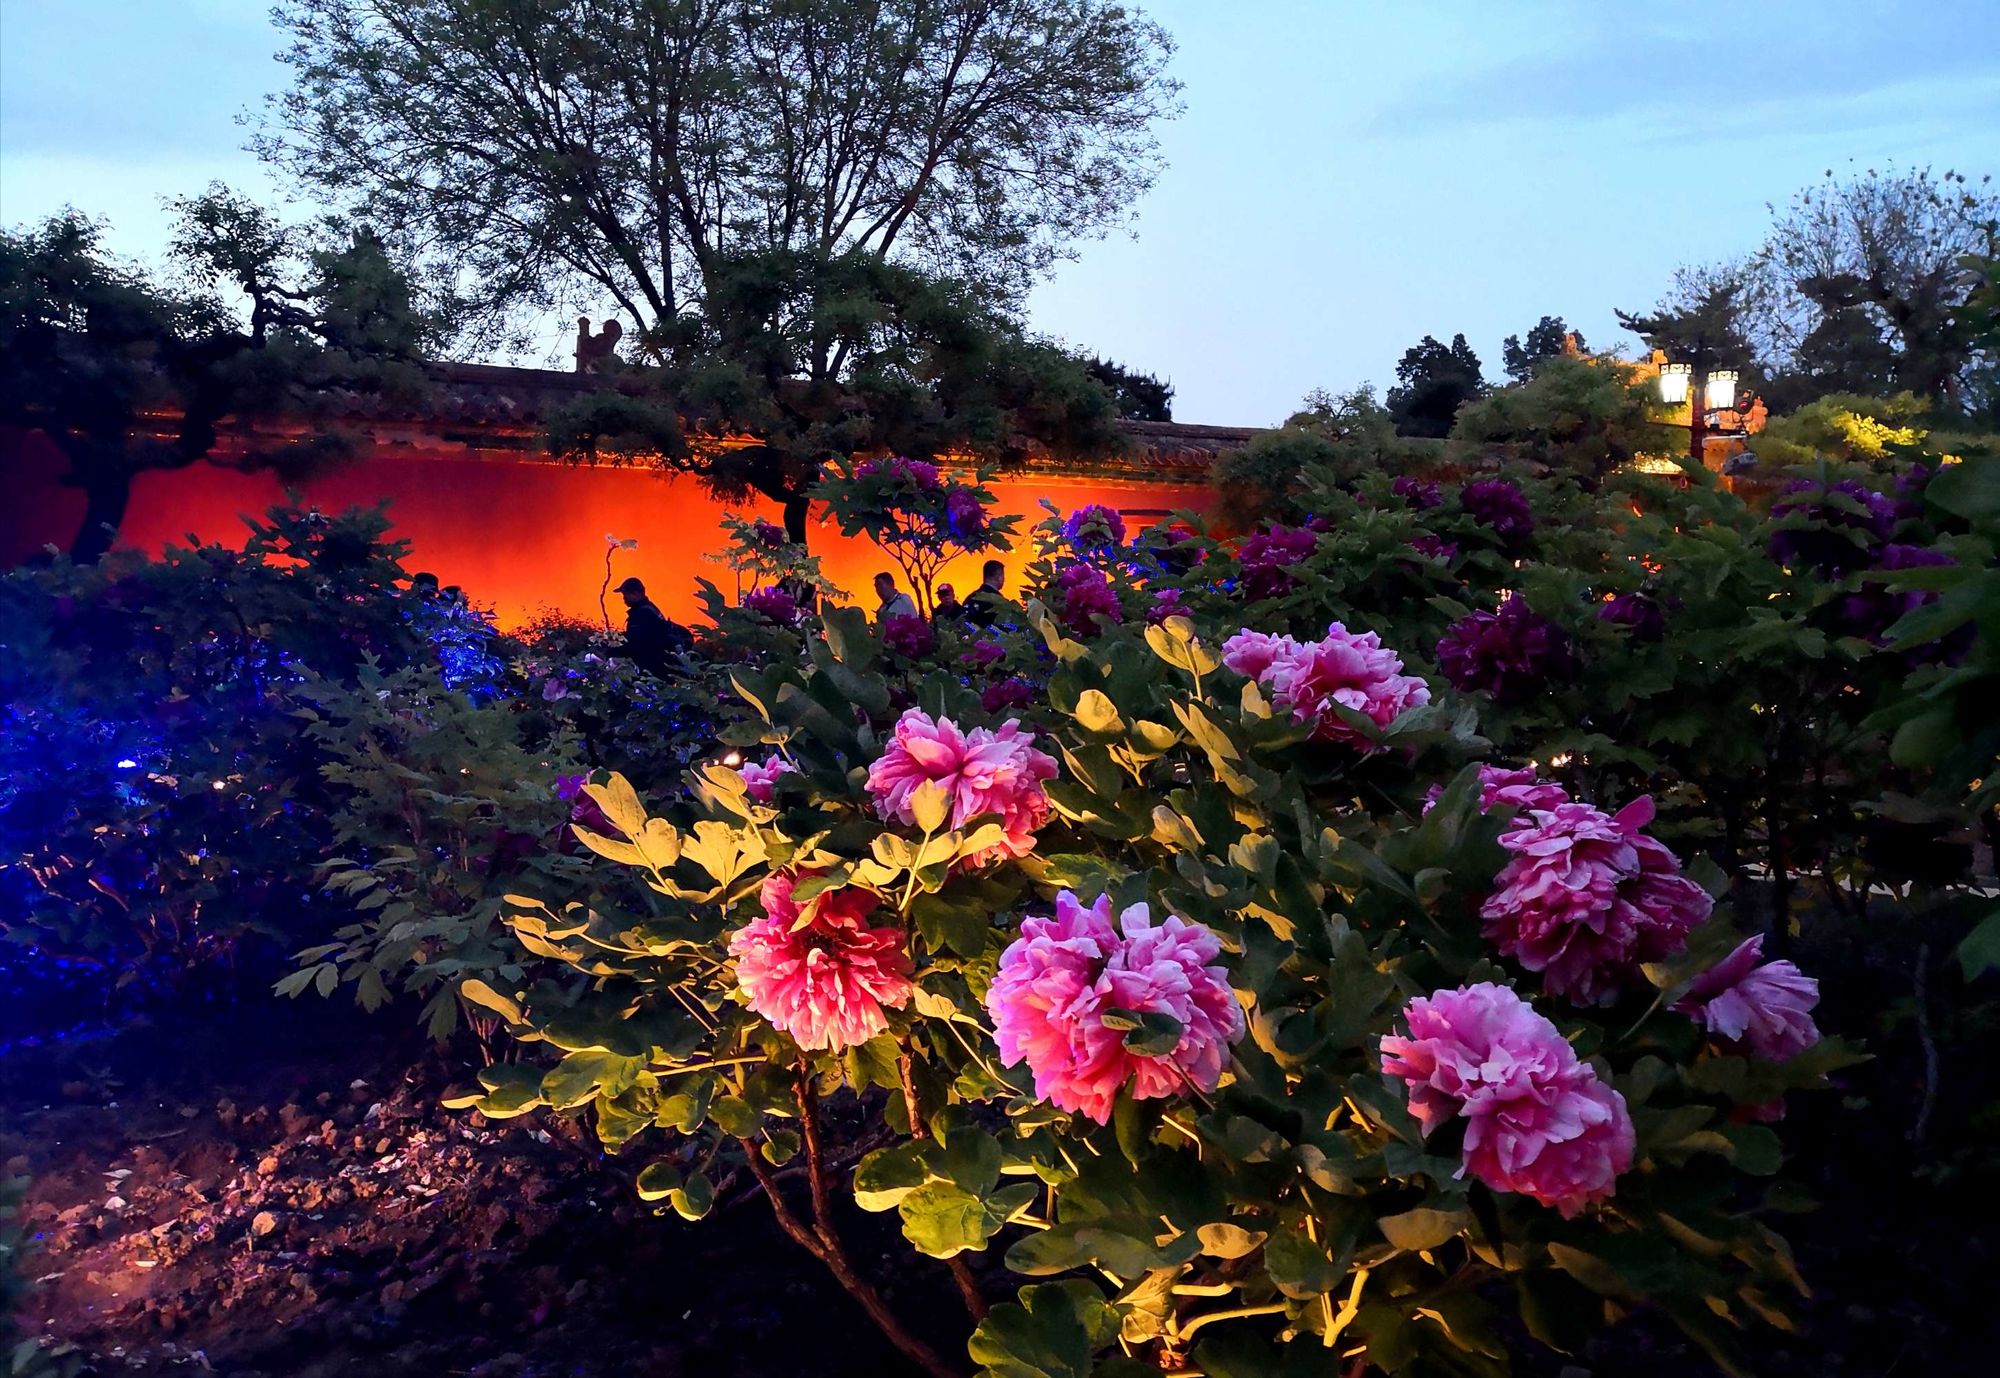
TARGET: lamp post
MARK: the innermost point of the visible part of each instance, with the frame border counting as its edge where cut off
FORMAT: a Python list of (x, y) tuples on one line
[(1703, 390)]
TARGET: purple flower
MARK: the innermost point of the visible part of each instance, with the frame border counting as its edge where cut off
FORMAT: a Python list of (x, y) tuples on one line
[(569, 786), (1764, 1009), (1418, 494), (919, 472), (1849, 519), (1166, 603), (1910, 486), (769, 533), (1438, 548), (1874, 606), (1086, 595), (1511, 654), (909, 636), (964, 513), (1007, 695), (773, 603), (1643, 617), (1094, 526), (1499, 505), (1265, 559), (981, 654)]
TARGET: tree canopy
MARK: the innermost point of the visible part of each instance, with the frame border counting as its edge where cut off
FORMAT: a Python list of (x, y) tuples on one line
[(1433, 381), (260, 319), (540, 153), (1547, 339), (826, 357), (1140, 396), (1581, 417)]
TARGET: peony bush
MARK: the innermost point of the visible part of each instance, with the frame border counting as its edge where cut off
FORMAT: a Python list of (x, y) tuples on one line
[(1212, 1008)]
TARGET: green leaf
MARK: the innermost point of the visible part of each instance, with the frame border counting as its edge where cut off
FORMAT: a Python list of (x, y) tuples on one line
[(930, 802), (1096, 713), (1423, 1228), (1149, 1033), (692, 1200), (1220, 1239), (1979, 953), (943, 1219), (1052, 1333), (658, 1181)]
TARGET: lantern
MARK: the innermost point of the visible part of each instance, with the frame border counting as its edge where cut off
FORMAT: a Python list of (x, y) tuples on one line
[(1674, 380), (1722, 389)]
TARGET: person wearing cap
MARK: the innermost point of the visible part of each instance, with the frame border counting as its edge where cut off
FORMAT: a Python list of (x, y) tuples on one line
[(892, 601), (650, 635)]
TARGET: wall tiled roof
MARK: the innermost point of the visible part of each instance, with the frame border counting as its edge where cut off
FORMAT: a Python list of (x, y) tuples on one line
[(497, 407)]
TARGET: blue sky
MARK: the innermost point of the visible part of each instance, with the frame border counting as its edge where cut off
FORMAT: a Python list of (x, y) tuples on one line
[(1346, 176)]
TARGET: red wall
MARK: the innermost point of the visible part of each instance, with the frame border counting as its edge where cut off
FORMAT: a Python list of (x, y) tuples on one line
[(518, 535)]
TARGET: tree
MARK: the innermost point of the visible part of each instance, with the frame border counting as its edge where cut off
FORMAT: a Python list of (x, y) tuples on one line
[(1701, 322), (1140, 396), (571, 151), (1580, 417), (1432, 382), (1332, 440), (1865, 285), (800, 359), (1547, 339), (93, 353)]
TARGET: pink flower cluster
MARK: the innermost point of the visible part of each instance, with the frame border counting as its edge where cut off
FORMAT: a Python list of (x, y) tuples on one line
[(1086, 594), (1764, 1010), (1537, 1119), (818, 971), (760, 778), (986, 772), (1305, 678), (1059, 979), (1504, 787), (1587, 896), (919, 472)]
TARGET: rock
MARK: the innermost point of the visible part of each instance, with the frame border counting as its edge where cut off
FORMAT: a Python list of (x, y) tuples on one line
[(268, 1166), (263, 1223)]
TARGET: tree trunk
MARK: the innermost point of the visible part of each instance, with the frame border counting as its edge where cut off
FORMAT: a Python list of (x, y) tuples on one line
[(107, 493), (798, 506)]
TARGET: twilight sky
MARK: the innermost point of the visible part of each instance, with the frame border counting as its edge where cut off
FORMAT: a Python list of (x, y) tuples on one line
[(1346, 177)]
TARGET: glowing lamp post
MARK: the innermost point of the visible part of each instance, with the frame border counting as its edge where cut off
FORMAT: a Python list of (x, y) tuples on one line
[(1702, 391)]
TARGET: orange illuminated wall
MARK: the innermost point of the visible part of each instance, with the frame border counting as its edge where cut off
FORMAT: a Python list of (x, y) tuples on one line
[(521, 535)]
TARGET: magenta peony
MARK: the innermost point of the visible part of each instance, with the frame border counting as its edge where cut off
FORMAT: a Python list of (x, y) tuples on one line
[(981, 654), (1538, 1121), (1306, 678), (1094, 526), (1166, 603), (964, 513), (1830, 527), (774, 603), (1059, 979), (1766, 1010), (760, 778), (1418, 493), (1586, 897), (817, 971), (1641, 616), (908, 635), (1085, 595), (1503, 788), (1435, 547), (1499, 505), (1266, 557), (986, 772), (919, 473), (1512, 654), (1007, 695)]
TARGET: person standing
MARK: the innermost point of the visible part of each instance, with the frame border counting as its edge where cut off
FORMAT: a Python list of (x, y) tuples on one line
[(948, 609), (893, 602), (651, 637), (984, 604)]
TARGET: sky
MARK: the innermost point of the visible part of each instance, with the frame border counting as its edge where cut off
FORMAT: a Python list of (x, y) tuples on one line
[(1344, 178)]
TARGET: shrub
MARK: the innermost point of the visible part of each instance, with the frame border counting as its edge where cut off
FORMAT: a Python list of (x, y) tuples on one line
[(1174, 998)]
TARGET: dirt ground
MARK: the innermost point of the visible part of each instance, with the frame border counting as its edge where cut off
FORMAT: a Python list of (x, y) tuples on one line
[(268, 1189)]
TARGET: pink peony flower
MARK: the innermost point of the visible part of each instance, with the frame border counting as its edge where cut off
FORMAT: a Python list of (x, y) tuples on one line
[(817, 971), (1764, 1010), (760, 778), (1347, 668), (1086, 595), (1538, 1121), (986, 771), (1059, 979), (1503, 788), (1587, 897)]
